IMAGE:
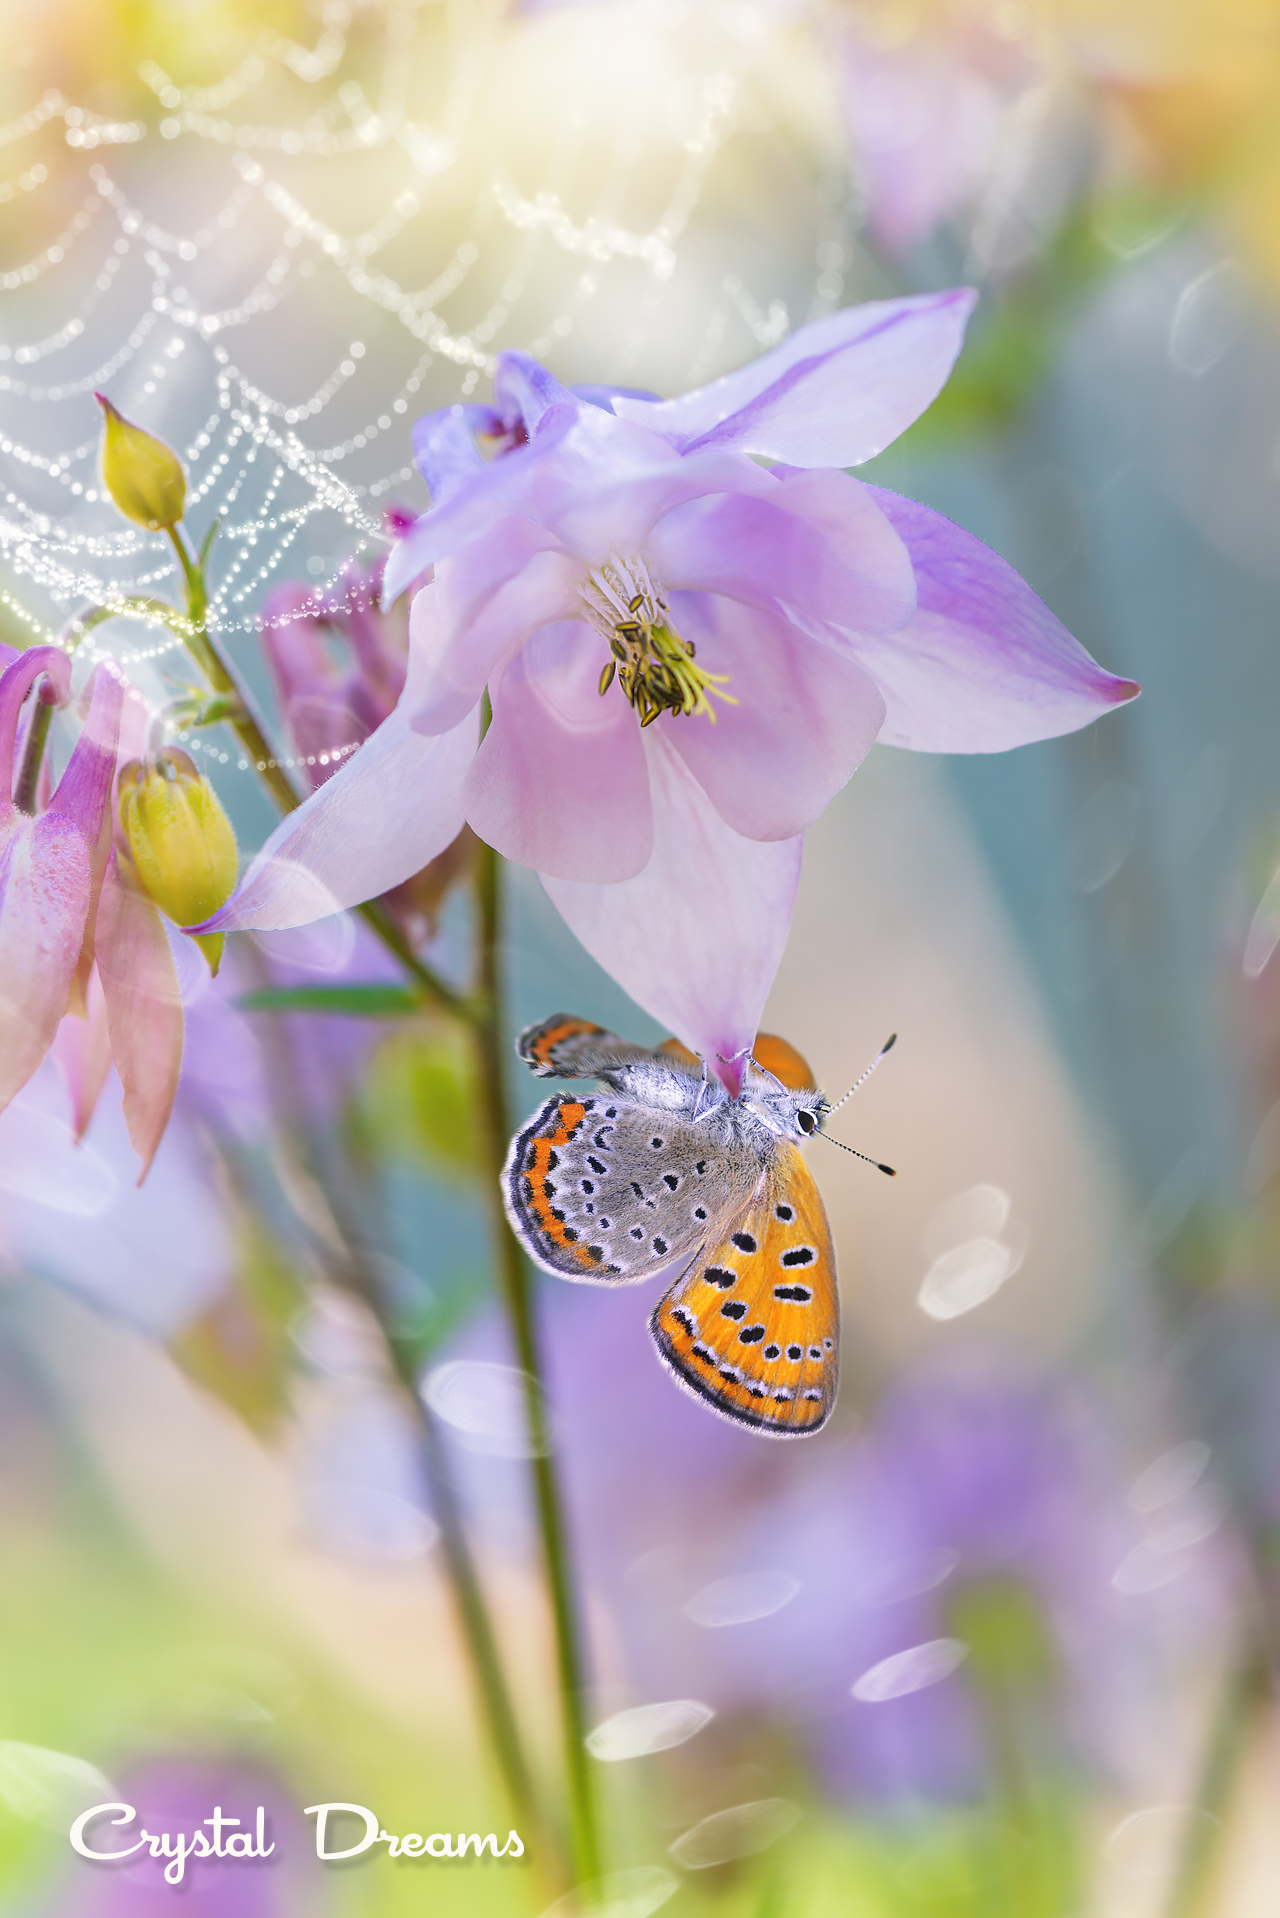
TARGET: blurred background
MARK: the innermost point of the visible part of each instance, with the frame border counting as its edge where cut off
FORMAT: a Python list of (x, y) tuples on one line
[(1002, 1639)]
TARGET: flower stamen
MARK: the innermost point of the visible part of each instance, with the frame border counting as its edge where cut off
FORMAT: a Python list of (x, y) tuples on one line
[(654, 665)]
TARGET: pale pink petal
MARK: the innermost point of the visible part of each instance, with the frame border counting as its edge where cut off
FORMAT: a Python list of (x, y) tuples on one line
[(478, 504), (383, 816), (560, 781), (835, 393), (984, 665), (843, 563), (83, 794), (456, 656), (807, 716), (45, 886), (82, 1048), (144, 1007), (696, 937), (615, 512)]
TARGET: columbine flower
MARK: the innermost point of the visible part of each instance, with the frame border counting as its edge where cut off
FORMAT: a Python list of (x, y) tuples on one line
[(330, 708), (77, 933), (687, 654)]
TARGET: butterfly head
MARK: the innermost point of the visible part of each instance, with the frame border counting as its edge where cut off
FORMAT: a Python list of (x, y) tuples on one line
[(788, 1112)]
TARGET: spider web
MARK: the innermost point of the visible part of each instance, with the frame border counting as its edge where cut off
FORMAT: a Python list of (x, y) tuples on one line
[(275, 273)]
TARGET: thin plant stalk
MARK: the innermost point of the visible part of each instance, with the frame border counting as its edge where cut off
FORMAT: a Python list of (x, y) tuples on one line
[(1244, 1693), (513, 1277), (473, 1614)]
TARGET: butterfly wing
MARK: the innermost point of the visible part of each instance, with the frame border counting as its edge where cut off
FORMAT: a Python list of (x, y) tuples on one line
[(567, 1047), (754, 1325), (611, 1191)]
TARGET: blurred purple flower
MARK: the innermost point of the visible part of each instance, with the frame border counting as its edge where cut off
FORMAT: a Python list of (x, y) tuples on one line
[(804, 612), (930, 112), (763, 1587), (177, 1794)]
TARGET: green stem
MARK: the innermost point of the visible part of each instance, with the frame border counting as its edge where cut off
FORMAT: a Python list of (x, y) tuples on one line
[(24, 797), (325, 1217), (468, 1597), (1243, 1695), (24, 793), (201, 644), (513, 1278)]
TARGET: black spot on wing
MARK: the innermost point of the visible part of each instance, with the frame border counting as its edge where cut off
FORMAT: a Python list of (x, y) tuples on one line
[(720, 1275), (744, 1242), (801, 1294), (799, 1255), (733, 1309)]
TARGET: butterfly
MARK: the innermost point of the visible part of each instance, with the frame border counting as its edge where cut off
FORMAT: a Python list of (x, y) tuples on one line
[(663, 1168)]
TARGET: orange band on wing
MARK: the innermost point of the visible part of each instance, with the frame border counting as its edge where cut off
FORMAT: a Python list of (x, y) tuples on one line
[(539, 1046), (537, 1167)]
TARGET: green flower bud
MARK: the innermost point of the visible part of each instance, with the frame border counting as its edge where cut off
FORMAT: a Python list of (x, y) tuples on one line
[(181, 841), (143, 477)]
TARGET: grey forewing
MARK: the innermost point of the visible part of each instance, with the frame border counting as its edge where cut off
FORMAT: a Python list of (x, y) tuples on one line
[(639, 1187)]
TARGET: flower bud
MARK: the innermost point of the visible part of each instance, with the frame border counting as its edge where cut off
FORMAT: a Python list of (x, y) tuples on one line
[(181, 841), (143, 477)]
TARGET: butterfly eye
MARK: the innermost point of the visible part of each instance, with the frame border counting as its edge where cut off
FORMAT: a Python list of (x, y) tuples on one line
[(806, 1122)]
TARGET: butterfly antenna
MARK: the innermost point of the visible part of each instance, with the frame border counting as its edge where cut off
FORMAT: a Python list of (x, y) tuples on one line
[(888, 1046), (886, 1169)]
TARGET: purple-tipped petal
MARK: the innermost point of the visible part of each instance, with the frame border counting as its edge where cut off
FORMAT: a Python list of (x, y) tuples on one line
[(845, 565), (835, 393), (144, 1007), (46, 882), (806, 718), (984, 665), (524, 390), (444, 451), (696, 937), (384, 815), (560, 781)]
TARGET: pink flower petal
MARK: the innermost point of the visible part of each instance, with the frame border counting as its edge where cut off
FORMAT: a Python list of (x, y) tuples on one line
[(384, 815), (460, 649), (476, 506), (560, 781), (144, 1007), (696, 937), (984, 665), (844, 563), (807, 716), (82, 1048), (45, 886), (83, 794), (835, 393)]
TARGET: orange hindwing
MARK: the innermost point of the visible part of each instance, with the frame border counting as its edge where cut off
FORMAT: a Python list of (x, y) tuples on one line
[(753, 1325)]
